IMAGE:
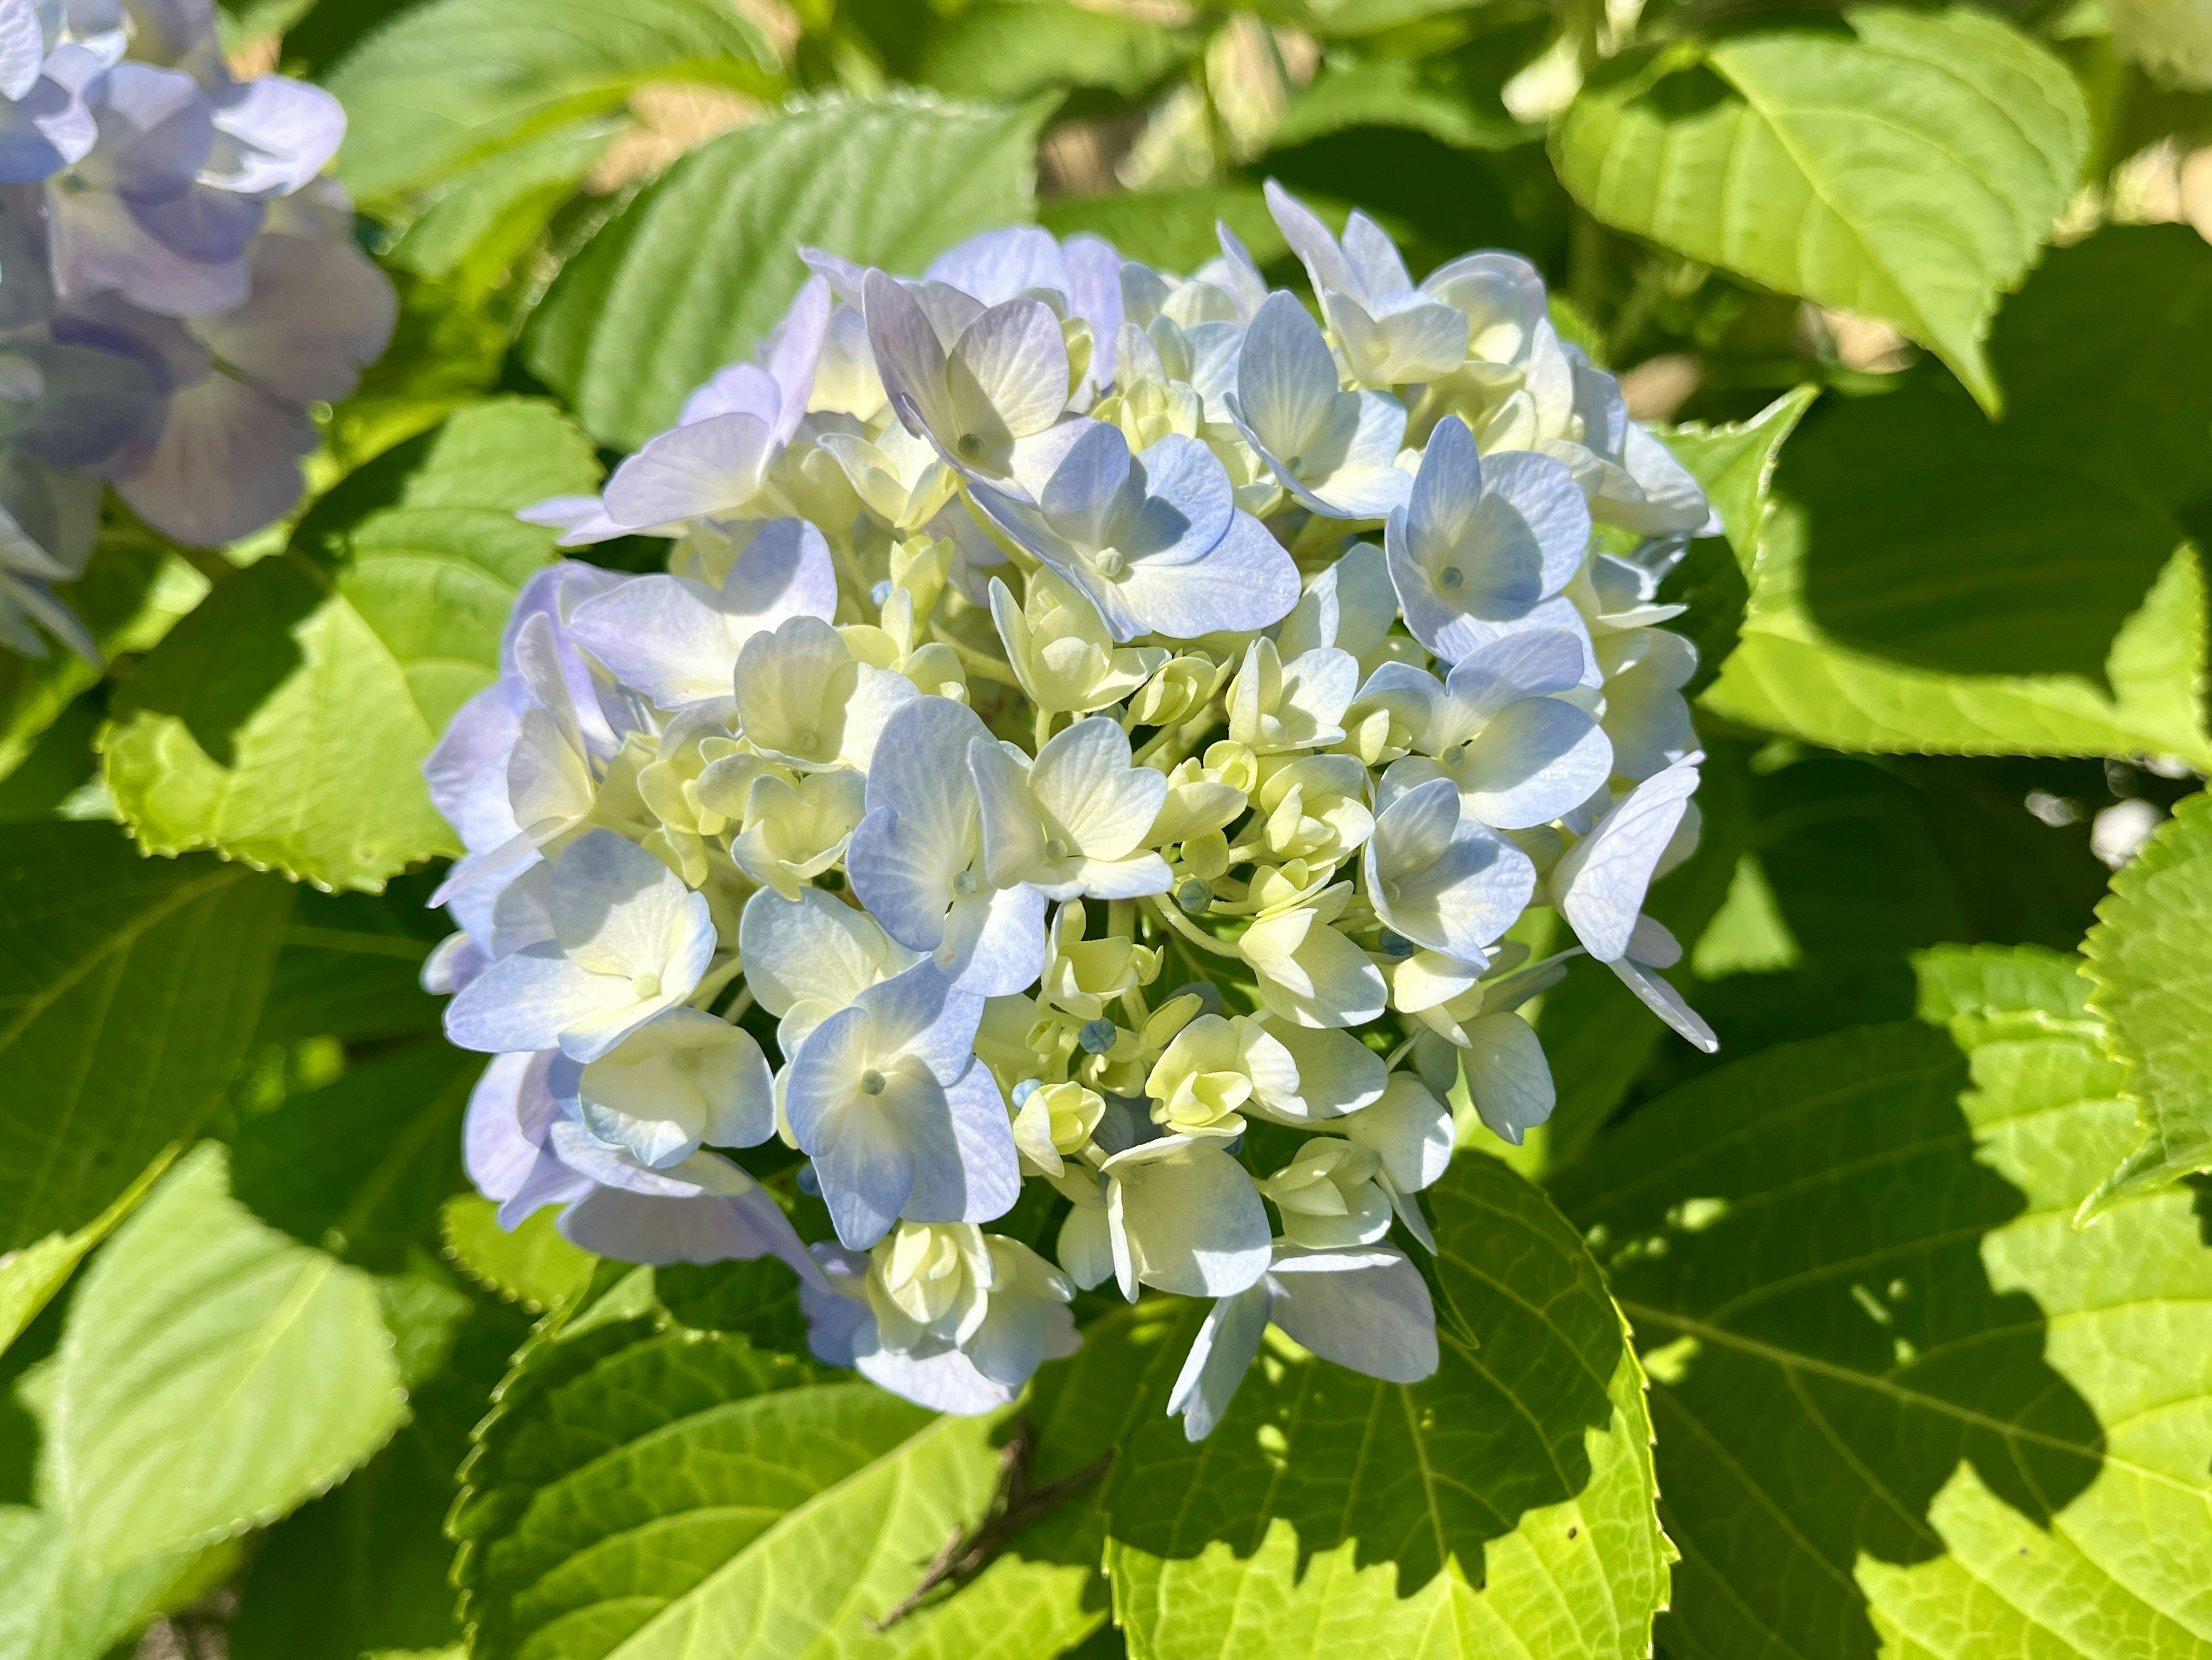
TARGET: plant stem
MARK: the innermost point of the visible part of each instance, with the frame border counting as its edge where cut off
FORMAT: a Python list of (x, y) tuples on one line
[(1192, 932)]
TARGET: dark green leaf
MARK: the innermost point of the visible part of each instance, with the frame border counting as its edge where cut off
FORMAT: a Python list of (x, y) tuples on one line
[(1172, 229), (364, 1568), (1935, 583), (128, 989), (361, 1166)]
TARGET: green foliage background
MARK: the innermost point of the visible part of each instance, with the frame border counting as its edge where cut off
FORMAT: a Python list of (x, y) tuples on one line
[(1886, 1331)]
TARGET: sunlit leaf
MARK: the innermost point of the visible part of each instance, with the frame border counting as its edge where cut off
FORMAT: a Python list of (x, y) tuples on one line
[(1909, 169), (286, 721), (2149, 958), (693, 273), (444, 84), (212, 1375), (645, 1490), (1900, 1401)]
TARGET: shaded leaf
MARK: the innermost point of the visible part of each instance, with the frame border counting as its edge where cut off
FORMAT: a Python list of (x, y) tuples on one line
[(129, 987), (131, 595), (363, 1568), (350, 968), (2014, 588), (702, 263), (1909, 169), (286, 721), (1173, 229), (360, 1166), (1003, 50)]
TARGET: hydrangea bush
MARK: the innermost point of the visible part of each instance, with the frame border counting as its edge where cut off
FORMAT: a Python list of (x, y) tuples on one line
[(181, 288), (843, 848), (1323, 649)]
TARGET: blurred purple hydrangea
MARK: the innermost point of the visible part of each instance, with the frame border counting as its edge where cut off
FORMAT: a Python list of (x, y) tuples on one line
[(179, 286)]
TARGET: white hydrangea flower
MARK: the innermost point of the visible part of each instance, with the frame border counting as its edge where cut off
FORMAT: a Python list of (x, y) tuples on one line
[(983, 599)]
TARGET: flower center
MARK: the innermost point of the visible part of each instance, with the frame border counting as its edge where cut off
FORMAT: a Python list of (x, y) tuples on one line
[(1111, 564), (1054, 848), (644, 985), (964, 883), (1450, 578), (971, 446), (1389, 893), (1295, 463), (1097, 1035), (871, 1082)]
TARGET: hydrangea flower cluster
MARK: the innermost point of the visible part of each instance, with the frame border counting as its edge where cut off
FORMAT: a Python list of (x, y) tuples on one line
[(1030, 627), (178, 289)]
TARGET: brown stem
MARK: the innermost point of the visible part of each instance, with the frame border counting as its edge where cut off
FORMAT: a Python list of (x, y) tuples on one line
[(1014, 1504)]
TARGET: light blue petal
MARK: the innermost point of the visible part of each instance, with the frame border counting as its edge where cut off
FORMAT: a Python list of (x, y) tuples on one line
[(1187, 506), (526, 1002), (1285, 377), (1538, 758), (1223, 1352), (1242, 583), (1367, 1309)]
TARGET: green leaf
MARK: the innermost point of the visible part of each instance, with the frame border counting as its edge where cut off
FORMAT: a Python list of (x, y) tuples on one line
[(1735, 464), (1910, 169), (2016, 587), (700, 266), (644, 1490), (363, 1568), (31, 1276), (443, 85), (1900, 1401), (2149, 961), (1503, 1506), (533, 1265), (128, 989), (285, 722), (212, 1375), (1848, 867), (360, 1166), (478, 228), (59, 1608), (350, 968), (1451, 95), (1171, 229), (130, 594), (1004, 50)]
